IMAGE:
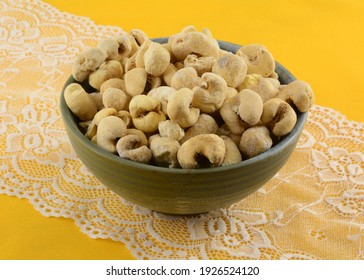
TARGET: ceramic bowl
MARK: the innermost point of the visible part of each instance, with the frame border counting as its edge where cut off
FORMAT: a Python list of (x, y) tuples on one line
[(182, 191)]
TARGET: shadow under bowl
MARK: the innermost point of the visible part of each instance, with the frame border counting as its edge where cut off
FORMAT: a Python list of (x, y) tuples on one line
[(182, 191)]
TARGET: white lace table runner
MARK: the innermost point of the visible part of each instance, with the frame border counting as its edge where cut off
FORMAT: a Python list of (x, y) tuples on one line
[(312, 209)]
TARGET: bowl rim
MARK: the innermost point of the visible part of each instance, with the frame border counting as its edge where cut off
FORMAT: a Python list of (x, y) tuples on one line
[(290, 138)]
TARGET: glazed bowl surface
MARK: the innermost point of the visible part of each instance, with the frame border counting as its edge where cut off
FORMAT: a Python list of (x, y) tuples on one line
[(182, 191)]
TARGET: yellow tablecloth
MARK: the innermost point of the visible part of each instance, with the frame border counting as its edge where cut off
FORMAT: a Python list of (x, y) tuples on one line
[(321, 197)]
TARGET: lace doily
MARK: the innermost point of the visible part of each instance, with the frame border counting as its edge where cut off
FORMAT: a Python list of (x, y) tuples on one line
[(312, 209)]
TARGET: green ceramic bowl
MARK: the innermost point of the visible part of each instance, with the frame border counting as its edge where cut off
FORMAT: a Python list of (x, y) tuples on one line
[(182, 191)]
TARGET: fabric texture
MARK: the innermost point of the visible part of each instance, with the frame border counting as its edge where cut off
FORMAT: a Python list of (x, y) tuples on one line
[(312, 209)]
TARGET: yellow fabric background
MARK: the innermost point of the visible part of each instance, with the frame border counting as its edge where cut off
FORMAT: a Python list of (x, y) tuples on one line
[(318, 41)]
